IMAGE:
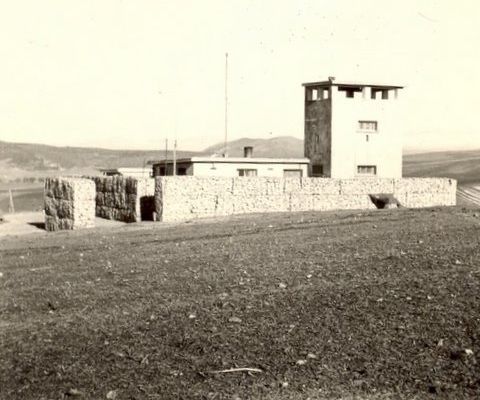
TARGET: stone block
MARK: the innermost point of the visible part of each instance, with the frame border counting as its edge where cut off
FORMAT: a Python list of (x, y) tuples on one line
[(69, 203)]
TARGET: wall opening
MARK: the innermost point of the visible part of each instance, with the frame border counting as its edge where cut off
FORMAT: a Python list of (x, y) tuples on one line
[(147, 208), (384, 200)]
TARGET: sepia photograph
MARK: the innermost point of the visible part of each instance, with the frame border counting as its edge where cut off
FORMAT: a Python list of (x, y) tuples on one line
[(239, 199)]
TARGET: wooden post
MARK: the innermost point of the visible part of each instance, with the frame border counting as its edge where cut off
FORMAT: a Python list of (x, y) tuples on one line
[(11, 206)]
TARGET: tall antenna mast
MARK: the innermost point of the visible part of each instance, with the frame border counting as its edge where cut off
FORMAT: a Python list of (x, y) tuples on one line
[(226, 106)]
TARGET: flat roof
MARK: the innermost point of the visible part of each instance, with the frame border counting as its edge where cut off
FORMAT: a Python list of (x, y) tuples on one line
[(351, 84), (237, 160)]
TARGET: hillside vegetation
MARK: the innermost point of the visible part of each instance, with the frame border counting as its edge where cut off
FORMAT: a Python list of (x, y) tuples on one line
[(352, 305)]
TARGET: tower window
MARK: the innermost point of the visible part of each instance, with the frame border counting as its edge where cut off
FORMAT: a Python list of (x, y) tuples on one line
[(316, 94), (350, 90), (383, 92), (368, 126), (367, 170)]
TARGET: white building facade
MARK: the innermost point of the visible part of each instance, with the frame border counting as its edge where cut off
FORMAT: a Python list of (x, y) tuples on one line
[(353, 130), (233, 166)]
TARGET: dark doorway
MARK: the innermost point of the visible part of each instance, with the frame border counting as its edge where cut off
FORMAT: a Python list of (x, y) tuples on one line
[(147, 208)]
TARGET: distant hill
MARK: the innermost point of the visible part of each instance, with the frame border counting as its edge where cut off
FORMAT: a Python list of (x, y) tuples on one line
[(280, 147), (461, 165), (18, 160), (25, 159)]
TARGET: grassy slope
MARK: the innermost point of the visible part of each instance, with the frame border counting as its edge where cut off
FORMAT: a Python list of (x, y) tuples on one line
[(461, 165), (386, 301)]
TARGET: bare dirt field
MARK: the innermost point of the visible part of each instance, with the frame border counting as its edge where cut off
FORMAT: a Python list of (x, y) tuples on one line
[(364, 305)]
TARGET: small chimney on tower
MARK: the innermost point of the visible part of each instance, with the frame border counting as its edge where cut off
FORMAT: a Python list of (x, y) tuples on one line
[(248, 151)]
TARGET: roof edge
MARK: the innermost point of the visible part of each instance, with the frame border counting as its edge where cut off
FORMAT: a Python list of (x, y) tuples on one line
[(351, 84)]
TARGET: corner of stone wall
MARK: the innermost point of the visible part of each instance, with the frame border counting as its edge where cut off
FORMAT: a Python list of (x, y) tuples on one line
[(159, 185), (69, 203)]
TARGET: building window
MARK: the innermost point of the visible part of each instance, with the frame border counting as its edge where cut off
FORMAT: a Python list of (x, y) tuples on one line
[(316, 94), (350, 90), (366, 169), (292, 173), (247, 172), (182, 171), (368, 126), (317, 170), (162, 171), (383, 93)]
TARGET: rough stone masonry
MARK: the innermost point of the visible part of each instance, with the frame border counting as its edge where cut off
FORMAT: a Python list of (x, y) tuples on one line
[(121, 198), (69, 203), (190, 197)]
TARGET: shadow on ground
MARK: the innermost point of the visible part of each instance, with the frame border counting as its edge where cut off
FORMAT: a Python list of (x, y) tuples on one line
[(39, 225)]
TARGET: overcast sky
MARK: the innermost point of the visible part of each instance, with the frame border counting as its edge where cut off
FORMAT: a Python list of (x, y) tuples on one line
[(129, 73)]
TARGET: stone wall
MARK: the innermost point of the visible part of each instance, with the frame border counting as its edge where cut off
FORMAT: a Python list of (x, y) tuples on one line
[(189, 197), (69, 203), (121, 198)]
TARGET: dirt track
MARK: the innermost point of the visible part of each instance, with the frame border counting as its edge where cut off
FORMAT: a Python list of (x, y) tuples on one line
[(26, 223)]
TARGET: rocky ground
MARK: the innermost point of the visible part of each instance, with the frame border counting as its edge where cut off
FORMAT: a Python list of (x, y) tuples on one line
[(367, 305)]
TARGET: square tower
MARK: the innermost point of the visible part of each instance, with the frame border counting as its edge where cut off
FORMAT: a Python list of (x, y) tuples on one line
[(352, 130)]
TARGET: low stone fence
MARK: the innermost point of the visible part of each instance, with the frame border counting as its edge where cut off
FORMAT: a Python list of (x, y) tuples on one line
[(69, 203), (124, 199), (189, 197), (72, 203)]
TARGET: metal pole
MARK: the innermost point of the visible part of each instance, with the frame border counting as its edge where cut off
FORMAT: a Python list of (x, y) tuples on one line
[(226, 105), (166, 155), (175, 157)]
